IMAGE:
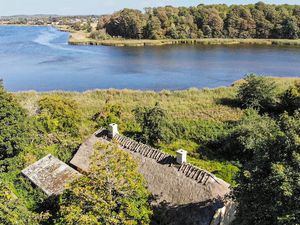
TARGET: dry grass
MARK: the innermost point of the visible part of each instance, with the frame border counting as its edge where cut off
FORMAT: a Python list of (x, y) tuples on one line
[(192, 104)]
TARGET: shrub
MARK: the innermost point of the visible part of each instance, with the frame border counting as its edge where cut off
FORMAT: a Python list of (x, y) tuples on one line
[(59, 114), (257, 92), (290, 100), (252, 130), (110, 114), (100, 35), (13, 131), (152, 122)]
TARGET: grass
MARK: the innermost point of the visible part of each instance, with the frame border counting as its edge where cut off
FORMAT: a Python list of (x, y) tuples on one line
[(187, 106), (84, 40)]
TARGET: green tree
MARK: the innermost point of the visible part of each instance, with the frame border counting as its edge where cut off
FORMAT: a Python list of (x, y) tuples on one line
[(152, 122), (269, 190), (113, 192), (252, 130), (257, 92), (13, 130), (110, 114), (290, 100), (59, 114), (12, 210), (127, 23), (153, 30)]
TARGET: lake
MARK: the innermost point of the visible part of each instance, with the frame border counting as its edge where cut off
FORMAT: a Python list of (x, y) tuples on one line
[(39, 58)]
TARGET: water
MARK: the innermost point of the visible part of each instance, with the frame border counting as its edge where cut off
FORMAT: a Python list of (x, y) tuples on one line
[(39, 58)]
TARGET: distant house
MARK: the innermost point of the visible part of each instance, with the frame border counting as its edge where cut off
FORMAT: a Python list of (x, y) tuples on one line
[(50, 175), (188, 194)]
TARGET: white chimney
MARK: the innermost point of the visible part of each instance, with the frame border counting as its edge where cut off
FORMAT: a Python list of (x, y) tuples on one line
[(113, 130), (181, 156)]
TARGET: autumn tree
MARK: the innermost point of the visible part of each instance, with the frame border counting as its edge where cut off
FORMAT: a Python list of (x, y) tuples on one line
[(113, 192)]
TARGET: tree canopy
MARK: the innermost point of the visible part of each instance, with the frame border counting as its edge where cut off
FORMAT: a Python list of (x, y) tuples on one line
[(258, 20), (269, 190), (257, 92), (13, 131), (113, 192)]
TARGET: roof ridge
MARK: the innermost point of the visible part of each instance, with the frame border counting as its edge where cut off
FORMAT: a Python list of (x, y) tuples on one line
[(191, 171)]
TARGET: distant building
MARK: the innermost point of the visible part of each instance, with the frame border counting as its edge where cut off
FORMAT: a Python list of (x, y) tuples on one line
[(50, 175)]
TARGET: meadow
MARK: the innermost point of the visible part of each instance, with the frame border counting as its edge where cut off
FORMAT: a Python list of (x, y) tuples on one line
[(196, 116)]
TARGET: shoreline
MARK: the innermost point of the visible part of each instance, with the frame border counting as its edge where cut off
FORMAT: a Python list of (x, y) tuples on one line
[(162, 42), (285, 80), (81, 38)]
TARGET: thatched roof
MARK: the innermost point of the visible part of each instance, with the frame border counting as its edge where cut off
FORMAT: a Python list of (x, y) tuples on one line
[(169, 181), (81, 160), (50, 175)]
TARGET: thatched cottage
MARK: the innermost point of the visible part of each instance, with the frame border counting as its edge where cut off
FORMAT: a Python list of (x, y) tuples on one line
[(184, 194)]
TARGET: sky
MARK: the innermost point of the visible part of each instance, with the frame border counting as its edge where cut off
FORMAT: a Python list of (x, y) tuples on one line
[(98, 7)]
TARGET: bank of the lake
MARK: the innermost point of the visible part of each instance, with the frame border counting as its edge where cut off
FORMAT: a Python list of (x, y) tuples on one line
[(202, 113), (205, 41), (82, 38)]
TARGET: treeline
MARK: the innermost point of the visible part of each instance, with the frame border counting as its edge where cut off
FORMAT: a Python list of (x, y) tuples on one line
[(258, 20)]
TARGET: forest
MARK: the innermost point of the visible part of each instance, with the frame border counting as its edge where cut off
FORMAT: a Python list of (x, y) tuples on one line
[(259, 21), (247, 134)]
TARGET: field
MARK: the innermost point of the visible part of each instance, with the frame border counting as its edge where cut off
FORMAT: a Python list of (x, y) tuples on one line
[(203, 112)]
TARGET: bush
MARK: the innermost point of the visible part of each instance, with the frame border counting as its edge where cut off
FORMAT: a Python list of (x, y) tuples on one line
[(13, 132), (257, 92), (152, 122), (290, 100), (110, 114), (100, 35), (241, 141), (59, 114)]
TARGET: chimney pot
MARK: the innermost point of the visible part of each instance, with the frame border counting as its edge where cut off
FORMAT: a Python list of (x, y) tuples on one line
[(181, 156), (113, 130)]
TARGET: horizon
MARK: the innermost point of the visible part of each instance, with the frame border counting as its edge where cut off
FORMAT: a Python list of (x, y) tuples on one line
[(93, 7)]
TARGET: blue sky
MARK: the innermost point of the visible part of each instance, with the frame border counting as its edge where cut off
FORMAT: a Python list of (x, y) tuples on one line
[(72, 7)]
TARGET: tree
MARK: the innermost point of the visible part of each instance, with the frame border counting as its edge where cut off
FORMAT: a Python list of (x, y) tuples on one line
[(290, 28), (269, 190), (257, 92), (110, 114), (127, 23), (153, 30), (113, 192), (13, 131), (152, 122), (59, 114), (290, 100), (12, 210), (252, 130)]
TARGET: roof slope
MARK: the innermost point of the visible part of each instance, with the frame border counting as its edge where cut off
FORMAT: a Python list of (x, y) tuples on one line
[(167, 180), (50, 174)]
